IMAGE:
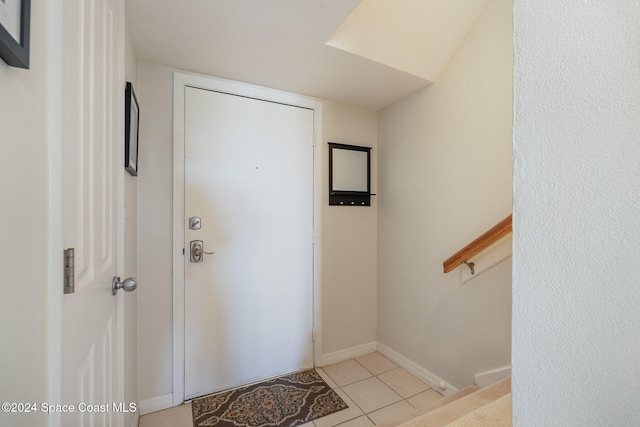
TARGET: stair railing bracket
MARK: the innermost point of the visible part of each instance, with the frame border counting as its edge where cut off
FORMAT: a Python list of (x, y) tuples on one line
[(471, 266)]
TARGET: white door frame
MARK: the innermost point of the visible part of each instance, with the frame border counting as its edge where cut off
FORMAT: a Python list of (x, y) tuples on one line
[(180, 82)]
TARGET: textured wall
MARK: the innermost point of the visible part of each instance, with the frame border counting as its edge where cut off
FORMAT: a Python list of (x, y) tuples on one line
[(445, 178), (576, 263)]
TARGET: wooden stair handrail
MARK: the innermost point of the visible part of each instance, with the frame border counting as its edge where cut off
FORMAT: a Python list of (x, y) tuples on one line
[(497, 232)]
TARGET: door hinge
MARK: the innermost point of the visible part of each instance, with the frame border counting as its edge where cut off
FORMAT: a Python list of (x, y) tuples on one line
[(313, 334), (313, 236), (69, 271)]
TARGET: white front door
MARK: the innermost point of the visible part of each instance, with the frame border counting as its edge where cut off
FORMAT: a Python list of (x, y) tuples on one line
[(92, 163), (249, 179)]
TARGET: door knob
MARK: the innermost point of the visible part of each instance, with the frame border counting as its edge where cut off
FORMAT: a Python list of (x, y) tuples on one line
[(129, 284)]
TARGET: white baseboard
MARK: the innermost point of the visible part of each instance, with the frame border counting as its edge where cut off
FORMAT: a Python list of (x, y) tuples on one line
[(487, 378), (431, 379), (346, 354), (156, 404)]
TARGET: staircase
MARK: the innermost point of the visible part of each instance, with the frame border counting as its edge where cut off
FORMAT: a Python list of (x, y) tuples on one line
[(469, 407)]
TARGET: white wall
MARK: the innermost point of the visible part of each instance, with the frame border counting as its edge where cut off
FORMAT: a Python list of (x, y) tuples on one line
[(349, 237), (23, 228), (576, 274), (130, 256), (444, 178), (155, 366), (349, 241)]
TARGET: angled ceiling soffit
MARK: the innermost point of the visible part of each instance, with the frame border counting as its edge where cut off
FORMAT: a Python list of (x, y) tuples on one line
[(414, 36)]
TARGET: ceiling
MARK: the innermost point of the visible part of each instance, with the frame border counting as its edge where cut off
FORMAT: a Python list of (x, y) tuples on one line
[(367, 54)]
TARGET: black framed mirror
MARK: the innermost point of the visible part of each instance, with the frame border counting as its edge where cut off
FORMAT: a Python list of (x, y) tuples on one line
[(349, 175)]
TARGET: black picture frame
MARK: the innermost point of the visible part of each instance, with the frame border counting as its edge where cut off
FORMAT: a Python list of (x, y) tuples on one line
[(349, 197), (132, 130), (16, 52)]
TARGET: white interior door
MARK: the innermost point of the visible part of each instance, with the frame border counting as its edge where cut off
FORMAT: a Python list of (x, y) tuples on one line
[(92, 137), (249, 178)]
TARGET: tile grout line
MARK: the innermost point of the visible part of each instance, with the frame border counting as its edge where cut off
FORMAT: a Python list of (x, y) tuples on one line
[(340, 388), (373, 375), (355, 382)]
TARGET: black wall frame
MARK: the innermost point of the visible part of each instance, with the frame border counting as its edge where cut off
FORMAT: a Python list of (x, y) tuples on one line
[(132, 130), (348, 197), (16, 52)]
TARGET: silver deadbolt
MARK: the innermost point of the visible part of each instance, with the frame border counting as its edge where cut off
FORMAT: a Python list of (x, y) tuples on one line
[(195, 223), (196, 251)]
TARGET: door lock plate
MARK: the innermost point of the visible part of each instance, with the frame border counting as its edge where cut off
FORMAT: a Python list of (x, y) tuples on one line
[(195, 251)]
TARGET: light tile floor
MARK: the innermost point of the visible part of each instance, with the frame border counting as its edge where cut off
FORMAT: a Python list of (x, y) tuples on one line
[(376, 390)]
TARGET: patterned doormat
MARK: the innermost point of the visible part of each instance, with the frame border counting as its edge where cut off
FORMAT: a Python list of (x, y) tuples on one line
[(284, 402)]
